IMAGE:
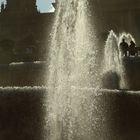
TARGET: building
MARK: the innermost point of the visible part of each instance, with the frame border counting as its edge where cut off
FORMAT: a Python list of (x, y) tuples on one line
[(21, 7), (25, 30)]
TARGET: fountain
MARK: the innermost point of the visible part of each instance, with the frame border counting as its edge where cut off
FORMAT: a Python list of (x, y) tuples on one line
[(127, 36), (111, 53), (72, 77), (111, 64), (113, 70)]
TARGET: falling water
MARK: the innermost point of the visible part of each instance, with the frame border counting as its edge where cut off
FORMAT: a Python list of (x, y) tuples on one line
[(127, 36), (72, 73), (111, 53), (113, 62)]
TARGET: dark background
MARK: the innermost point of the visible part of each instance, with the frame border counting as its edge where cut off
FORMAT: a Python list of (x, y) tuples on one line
[(118, 15)]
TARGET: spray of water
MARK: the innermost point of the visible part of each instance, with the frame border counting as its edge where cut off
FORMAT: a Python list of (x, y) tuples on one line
[(127, 36), (72, 71), (112, 58), (111, 53)]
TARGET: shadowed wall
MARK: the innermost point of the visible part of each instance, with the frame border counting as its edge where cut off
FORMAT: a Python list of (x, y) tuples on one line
[(33, 74)]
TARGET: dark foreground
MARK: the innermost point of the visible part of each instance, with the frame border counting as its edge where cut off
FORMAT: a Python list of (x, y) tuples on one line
[(22, 114)]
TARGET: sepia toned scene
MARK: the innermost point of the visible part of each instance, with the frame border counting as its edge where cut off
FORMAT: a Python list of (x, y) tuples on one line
[(69, 70)]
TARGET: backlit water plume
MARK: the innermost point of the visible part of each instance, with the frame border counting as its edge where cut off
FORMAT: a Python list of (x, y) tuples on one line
[(72, 73)]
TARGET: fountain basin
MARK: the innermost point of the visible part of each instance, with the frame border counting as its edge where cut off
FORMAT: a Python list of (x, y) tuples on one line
[(132, 69), (22, 74), (32, 73), (22, 114)]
